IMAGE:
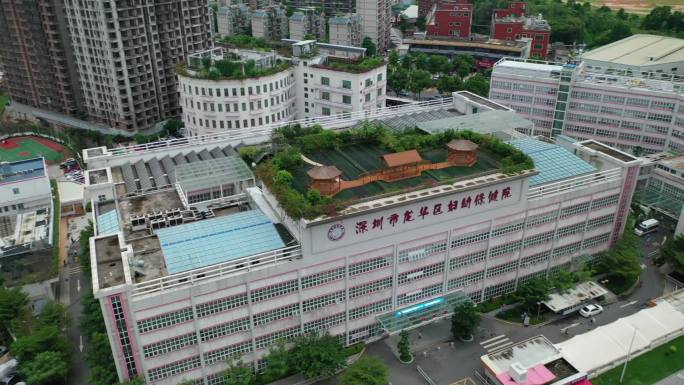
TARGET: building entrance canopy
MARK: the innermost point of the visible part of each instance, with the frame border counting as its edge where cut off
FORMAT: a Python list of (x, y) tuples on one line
[(420, 314)]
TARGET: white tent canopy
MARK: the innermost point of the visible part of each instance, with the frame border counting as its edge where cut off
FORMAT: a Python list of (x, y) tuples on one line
[(607, 346)]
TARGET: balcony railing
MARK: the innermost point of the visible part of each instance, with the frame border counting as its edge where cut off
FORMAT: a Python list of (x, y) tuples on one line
[(232, 267)]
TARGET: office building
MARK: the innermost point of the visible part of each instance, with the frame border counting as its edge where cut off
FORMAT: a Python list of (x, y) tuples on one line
[(234, 20), (450, 19), (377, 21), (307, 23), (641, 114), (661, 186), (303, 86), (36, 57), (178, 303), (345, 30), (126, 55), (270, 23)]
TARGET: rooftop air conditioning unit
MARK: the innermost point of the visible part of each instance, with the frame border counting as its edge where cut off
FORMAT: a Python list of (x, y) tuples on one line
[(518, 373)]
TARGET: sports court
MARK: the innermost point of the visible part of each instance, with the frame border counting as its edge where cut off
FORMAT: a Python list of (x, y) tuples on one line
[(27, 147)]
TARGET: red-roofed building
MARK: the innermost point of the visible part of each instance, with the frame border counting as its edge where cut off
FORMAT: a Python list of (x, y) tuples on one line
[(513, 23), (515, 8), (450, 19)]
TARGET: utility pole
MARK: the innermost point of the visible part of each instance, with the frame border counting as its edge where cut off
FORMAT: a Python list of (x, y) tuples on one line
[(629, 355)]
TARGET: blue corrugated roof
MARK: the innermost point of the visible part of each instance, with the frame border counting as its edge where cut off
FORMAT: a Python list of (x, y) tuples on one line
[(553, 162), (108, 223), (217, 240), (21, 169)]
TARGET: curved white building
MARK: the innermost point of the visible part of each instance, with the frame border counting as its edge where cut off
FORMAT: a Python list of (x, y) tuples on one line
[(216, 106)]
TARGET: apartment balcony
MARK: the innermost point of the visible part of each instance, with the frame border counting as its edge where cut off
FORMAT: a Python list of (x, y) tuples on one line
[(332, 104), (339, 90)]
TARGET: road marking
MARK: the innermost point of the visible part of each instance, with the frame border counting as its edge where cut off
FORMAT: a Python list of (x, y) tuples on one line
[(80, 343), (78, 285), (492, 339), (75, 270), (628, 304), (465, 381), (569, 326), (500, 343)]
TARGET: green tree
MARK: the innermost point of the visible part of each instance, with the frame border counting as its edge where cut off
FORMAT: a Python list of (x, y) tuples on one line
[(532, 292), (673, 252), (238, 373), (277, 362), (100, 361), (370, 47), (393, 59), (563, 281), (421, 60), (657, 18), (283, 178), (54, 313), (398, 80), (419, 80), (27, 347), (464, 321), (448, 84), (438, 64), (91, 320), (477, 84), (133, 381), (84, 250), (407, 62), (464, 65), (13, 302), (420, 23), (47, 368), (366, 371), (404, 346), (317, 355)]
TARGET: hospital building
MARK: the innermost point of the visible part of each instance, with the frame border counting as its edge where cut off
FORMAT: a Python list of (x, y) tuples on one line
[(195, 260)]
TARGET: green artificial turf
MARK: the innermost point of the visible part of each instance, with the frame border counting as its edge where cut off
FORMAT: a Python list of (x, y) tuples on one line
[(29, 148), (647, 368)]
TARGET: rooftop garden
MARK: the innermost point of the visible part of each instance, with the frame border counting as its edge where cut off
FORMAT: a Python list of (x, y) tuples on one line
[(247, 42), (357, 151), (358, 67), (227, 69)]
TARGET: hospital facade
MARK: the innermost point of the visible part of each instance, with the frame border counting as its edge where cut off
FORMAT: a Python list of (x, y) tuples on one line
[(379, 266)]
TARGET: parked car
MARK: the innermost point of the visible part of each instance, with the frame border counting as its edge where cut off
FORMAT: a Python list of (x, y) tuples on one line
[(10, 379), (591, 310), (8, 368), (3, 350), (646, 227)]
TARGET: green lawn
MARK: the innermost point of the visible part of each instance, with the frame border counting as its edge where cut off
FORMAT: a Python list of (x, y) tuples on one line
[(29, 148), (3, 102), (648, 368)]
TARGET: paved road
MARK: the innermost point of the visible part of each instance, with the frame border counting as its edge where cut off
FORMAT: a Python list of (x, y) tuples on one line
[(446, 364), (77, 284)]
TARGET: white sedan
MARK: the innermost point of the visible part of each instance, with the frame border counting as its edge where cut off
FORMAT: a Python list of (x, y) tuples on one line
[(591, 310)]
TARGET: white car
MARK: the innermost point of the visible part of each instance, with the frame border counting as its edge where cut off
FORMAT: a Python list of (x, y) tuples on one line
[(591, 310)]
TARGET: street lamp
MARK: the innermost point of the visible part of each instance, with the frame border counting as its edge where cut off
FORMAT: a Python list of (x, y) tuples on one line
[(629, 355)]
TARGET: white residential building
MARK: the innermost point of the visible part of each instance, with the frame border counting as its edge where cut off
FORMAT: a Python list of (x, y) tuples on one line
[(126, 53), (176, 308), (345, 30), (270, 23), (307, 22), (233, 20), (293, 88), (377, 21)]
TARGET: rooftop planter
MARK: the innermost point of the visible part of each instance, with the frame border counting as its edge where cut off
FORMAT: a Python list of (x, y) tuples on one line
[(285, 173)]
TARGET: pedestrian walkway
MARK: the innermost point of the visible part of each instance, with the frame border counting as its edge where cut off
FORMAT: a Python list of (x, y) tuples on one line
[(674, 379), (496, 343)]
